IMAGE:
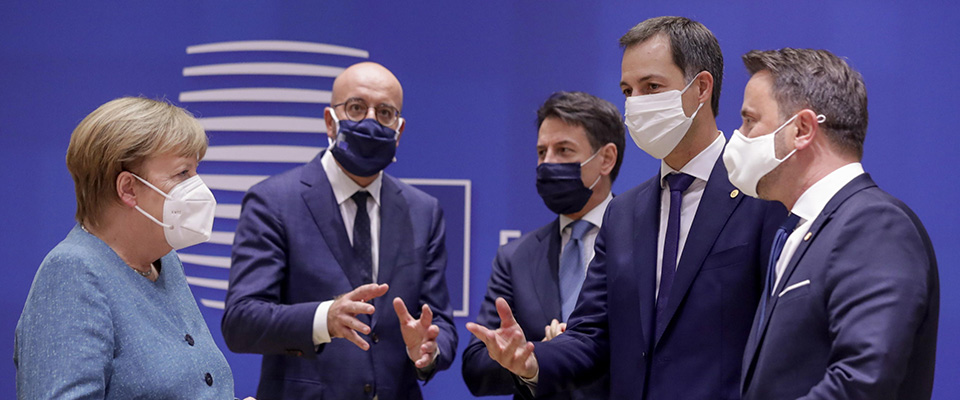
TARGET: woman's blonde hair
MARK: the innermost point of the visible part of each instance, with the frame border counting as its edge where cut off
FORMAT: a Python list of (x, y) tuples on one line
[(118, 136)]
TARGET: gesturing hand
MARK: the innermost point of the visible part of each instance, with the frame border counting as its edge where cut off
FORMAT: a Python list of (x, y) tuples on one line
[(342, 319), (507, 345), (419, 335)]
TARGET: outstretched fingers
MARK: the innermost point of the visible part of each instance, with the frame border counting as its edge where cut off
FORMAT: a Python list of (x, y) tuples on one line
[(367, 292)]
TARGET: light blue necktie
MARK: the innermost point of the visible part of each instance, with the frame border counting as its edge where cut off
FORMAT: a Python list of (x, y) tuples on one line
[(572, 267)]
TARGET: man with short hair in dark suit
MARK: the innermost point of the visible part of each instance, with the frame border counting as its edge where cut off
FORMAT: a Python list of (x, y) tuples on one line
[(579, 150), (851, 306), (670, 294), (321, 249)]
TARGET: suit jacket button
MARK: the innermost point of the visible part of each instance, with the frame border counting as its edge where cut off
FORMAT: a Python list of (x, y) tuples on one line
[(375, 338), (208, 378), (189, 339), (368, 388), (643, 354)]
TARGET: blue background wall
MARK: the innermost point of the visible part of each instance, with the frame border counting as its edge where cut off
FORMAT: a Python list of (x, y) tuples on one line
[(474, 74)]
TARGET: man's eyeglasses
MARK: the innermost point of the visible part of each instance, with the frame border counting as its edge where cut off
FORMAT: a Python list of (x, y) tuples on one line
[(356, 110)]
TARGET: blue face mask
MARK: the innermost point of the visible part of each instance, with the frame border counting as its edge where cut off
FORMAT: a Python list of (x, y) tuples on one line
[(561, 187), (364, 148)]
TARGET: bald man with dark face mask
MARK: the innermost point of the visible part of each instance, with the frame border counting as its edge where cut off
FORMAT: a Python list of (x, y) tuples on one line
[(337, 273)]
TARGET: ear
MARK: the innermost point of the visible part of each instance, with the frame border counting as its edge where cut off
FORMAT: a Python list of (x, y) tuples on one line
[(704, 85), (125, 189), (403, 125), (328, 119), (608, 158), (808, 129)]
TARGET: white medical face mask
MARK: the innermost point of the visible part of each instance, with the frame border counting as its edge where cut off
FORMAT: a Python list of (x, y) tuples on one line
[(750, 159), (187, 212), (657, 122)]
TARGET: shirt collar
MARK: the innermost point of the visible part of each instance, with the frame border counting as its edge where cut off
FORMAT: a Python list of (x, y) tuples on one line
[(816, 197), (343, 186), (700, 166), (594, 216)]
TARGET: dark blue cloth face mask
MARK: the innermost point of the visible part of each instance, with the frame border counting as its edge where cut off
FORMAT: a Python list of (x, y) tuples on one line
[(561, 187), (364, 148)]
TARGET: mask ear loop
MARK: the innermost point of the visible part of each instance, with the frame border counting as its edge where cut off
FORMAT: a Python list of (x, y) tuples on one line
[(778, 130), (146, 214), (685, 90), (397, 136), (336, 128), (820, 119), (587, 161)]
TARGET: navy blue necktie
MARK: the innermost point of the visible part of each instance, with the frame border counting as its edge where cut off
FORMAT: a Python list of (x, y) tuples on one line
[(678, 183), (778, 241), (572, 267), (362, 247)]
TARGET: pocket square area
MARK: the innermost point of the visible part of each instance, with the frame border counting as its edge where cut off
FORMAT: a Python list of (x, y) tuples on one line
[(794, 286)]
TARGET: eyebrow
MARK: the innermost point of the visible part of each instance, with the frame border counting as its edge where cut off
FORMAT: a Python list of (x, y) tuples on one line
[(644, 78)]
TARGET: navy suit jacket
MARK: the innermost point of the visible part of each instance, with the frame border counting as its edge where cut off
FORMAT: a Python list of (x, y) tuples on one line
[(859, 320), (291, 252), (697, 353), (526, 274)]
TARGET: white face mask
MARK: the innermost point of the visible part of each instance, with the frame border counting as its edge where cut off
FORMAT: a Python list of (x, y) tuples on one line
[(750, 159), (187, 212), (657, 122)]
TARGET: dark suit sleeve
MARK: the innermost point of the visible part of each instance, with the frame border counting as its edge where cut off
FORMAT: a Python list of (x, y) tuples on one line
[(877, 291), (435, 294), (254, 320), (580, 355), (483, 375)]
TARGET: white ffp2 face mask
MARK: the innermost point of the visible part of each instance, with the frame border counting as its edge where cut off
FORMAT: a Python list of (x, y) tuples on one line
[(188, 212), (657, 122), (750, 159)]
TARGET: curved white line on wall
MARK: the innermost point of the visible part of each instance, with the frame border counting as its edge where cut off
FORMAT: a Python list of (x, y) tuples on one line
[(236, 183), (221, 238), (274, 95), (207, 282), (262, 153), (264, 123), (227, 211), (278, 45), (295, 69), (219, 305), (207, 261)]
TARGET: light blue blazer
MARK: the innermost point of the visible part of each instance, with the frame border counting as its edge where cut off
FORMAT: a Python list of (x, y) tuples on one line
[(93, 328)]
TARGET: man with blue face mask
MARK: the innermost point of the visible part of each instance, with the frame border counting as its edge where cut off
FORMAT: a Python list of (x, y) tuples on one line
[(579, 149), (338, 268), (851, 305), (670, 294)]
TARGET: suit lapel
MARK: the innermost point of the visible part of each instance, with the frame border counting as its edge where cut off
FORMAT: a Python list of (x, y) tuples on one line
[(753, 344), (646, 229), (546, 275), (396, 239), (318, 196), (716, 207)]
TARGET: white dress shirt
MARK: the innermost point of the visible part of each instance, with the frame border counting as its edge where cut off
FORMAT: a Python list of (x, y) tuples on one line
[(700, 168), (809, 206), (595, 217), (343, 188)]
